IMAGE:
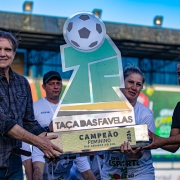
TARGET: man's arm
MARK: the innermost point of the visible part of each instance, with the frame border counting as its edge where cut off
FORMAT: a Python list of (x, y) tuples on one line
[(175, 131), (27, 161), (38, 169), (88, 175), (169, 143), (83, 166), (175, 147), (42, 141), (38, 163), (28, 168)]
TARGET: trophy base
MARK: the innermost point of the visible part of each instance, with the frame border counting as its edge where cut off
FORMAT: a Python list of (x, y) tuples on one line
[(141, 144), (84, 141)]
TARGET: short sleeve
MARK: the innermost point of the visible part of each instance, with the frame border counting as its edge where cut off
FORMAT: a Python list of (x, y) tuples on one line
[(149, 120), (82, 163), (37, 155), (143, 115), (26, 147)]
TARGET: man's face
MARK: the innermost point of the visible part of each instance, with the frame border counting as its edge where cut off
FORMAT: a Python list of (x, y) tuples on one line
[(6, 53), (53, 88), (178, 71)]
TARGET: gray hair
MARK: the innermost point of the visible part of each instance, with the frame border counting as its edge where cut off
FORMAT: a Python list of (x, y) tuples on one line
[(9, 36)]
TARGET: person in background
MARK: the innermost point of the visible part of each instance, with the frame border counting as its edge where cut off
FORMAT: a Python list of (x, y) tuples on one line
[(17, 121), (173, 142), (44, 110), (131, 164)]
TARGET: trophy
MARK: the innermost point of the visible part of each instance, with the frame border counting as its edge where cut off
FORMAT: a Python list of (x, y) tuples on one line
[(93, 114)]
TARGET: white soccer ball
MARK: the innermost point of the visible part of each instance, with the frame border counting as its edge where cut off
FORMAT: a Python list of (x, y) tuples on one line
[(84, 31)]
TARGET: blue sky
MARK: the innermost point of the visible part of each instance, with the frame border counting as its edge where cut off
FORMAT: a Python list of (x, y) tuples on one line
[(139, 12)]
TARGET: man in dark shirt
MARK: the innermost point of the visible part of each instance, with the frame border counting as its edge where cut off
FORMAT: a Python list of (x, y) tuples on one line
[(173, 142), (16, 114)]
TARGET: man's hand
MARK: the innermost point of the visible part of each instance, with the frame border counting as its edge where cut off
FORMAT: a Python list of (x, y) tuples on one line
[(129, 152), (45, 145), (41, 141), (157, 141)]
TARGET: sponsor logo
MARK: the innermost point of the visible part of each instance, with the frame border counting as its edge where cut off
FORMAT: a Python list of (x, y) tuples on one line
[(45, 112)]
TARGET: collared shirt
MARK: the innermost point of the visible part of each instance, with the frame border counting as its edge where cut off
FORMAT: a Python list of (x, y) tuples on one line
[(16, 107)]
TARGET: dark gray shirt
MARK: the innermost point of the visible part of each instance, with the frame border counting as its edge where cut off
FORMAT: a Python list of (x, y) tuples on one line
[(16, 107)]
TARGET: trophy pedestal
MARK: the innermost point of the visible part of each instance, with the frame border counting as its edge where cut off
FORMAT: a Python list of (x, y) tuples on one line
[(91, 140)]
